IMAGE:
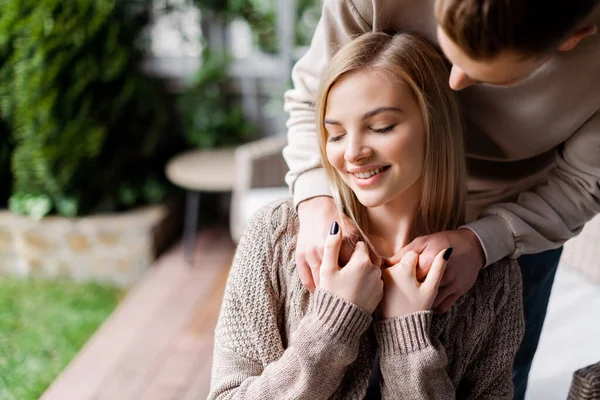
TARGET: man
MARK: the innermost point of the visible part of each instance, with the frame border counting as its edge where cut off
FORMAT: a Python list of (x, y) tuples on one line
[(529, 76)]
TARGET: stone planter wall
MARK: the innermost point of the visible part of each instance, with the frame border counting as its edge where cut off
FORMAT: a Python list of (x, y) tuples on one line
[(113, 248)]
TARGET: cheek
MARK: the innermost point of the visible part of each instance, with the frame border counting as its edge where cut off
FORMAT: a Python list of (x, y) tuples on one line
[(410, 153), (335, 156)]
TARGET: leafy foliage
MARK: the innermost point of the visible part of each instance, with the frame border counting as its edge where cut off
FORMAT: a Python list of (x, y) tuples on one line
[(87, 126), (261, 15), (211, 116)]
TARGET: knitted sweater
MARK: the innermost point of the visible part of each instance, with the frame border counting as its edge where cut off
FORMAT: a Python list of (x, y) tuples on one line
[(276, 340)]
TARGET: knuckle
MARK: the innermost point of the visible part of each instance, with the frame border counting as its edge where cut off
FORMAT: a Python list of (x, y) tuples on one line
[(377, 272), (366, 264)]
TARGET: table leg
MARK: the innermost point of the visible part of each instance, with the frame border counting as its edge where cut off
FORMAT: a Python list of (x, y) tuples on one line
[(192, 205)]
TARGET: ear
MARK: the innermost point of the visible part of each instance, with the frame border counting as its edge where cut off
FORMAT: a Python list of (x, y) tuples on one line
[(572, 42)]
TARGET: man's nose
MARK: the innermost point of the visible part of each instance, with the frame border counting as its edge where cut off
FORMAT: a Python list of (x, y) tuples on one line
[(459, 80)]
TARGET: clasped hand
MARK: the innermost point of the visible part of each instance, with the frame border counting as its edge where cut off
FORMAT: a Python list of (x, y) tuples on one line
[(392, 291), (460, 274)]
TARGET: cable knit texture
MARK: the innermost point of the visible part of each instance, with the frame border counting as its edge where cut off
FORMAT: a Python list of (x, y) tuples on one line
[(276, 340)]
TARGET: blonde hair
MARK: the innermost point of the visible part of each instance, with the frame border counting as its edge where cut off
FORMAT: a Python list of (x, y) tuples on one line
[(409, 58)]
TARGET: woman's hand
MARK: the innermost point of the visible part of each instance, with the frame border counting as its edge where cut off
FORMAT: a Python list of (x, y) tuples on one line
[(316, 216), (359, 282), (403, 293)]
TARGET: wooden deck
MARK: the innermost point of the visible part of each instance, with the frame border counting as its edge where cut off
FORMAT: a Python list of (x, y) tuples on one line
[(158, 343)]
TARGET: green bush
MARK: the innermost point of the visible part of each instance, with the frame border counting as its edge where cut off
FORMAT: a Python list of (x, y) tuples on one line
[(91, 133), (261, 15), (211, 117)]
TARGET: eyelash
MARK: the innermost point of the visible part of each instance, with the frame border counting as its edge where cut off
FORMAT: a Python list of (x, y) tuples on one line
[(382, 130)]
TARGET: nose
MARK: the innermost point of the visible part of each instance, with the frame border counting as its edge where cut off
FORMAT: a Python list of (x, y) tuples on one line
[(459, 80), (357, 148)]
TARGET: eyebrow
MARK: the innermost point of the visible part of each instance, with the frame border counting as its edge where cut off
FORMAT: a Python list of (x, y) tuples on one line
[(366, 115)]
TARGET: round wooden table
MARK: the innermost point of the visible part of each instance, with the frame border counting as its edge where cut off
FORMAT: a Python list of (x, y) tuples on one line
[(200, 171)]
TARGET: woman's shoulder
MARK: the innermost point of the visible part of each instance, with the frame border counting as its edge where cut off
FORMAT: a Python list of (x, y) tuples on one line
[(272, 221), (498, 283), (497, 292), (495, 299), (268, 242)]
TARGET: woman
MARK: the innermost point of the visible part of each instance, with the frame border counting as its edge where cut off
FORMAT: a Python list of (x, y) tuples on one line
[(391, 144)]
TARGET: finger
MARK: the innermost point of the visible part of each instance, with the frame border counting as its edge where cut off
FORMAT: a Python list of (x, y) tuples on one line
[(417, 245), (447, 304), (448, 277), (376, 259), (360, 254), (426, 259), (443, 293), (305, 273), (360, 250), (345, 252), (395, 259), (408, 264), (331, 252), (436, 273), (314, 262)]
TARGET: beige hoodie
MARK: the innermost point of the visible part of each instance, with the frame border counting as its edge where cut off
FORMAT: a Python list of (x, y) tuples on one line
[(533, 149)]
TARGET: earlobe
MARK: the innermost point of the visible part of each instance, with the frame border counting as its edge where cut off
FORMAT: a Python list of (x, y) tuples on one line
[(577, 37)]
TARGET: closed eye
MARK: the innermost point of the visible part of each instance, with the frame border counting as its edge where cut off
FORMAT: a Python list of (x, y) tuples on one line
[(335, 138), (383, 130)]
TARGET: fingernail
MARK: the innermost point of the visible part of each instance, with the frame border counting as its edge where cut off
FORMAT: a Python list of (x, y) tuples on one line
[(448, 253), (335, 228)]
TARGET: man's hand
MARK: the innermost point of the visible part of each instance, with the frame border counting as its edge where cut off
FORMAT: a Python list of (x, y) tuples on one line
[(316, 216), (461, 273)]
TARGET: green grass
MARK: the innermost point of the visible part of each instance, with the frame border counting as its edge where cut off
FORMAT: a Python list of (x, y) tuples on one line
[(42, 327)]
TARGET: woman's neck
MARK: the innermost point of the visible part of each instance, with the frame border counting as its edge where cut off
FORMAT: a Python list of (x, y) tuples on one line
[(392, 225)]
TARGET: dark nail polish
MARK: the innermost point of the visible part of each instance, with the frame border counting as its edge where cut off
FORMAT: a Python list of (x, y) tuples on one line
[(335, 228), (448, 253)]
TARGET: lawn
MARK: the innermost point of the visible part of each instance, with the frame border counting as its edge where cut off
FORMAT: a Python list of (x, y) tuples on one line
[(42, 327)]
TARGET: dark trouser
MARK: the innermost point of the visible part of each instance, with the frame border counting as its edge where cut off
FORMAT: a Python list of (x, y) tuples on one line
[(538, 272)]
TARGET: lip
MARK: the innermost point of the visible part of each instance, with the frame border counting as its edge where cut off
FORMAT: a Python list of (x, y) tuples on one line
[(370, 180)]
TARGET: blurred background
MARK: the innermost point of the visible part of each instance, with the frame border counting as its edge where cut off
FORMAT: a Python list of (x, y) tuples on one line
[(124, 123), (137, 137)]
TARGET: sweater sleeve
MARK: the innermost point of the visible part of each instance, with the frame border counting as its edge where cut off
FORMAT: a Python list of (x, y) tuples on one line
[(250, 361), (489, 374), (554, 211), (413, 364), (340, 22)]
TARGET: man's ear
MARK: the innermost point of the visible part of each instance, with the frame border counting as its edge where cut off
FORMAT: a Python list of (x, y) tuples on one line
[(572, 42)]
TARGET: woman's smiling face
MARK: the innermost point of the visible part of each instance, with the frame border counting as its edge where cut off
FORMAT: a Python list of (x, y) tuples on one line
[(375, 137)]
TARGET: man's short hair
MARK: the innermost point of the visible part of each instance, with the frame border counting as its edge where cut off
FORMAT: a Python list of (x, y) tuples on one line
[(484, 28)]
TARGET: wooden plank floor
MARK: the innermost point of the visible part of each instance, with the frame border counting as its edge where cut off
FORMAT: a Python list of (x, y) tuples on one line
[(158, 343)]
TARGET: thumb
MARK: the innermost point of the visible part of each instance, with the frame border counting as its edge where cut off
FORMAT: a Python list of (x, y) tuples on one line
[(333, 243), (438, 267), (417, 245), (409, 263)]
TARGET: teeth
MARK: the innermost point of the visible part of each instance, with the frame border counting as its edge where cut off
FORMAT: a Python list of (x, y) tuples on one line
[(367, 174)]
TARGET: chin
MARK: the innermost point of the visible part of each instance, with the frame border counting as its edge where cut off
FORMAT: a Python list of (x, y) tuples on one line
[(371, 201)]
